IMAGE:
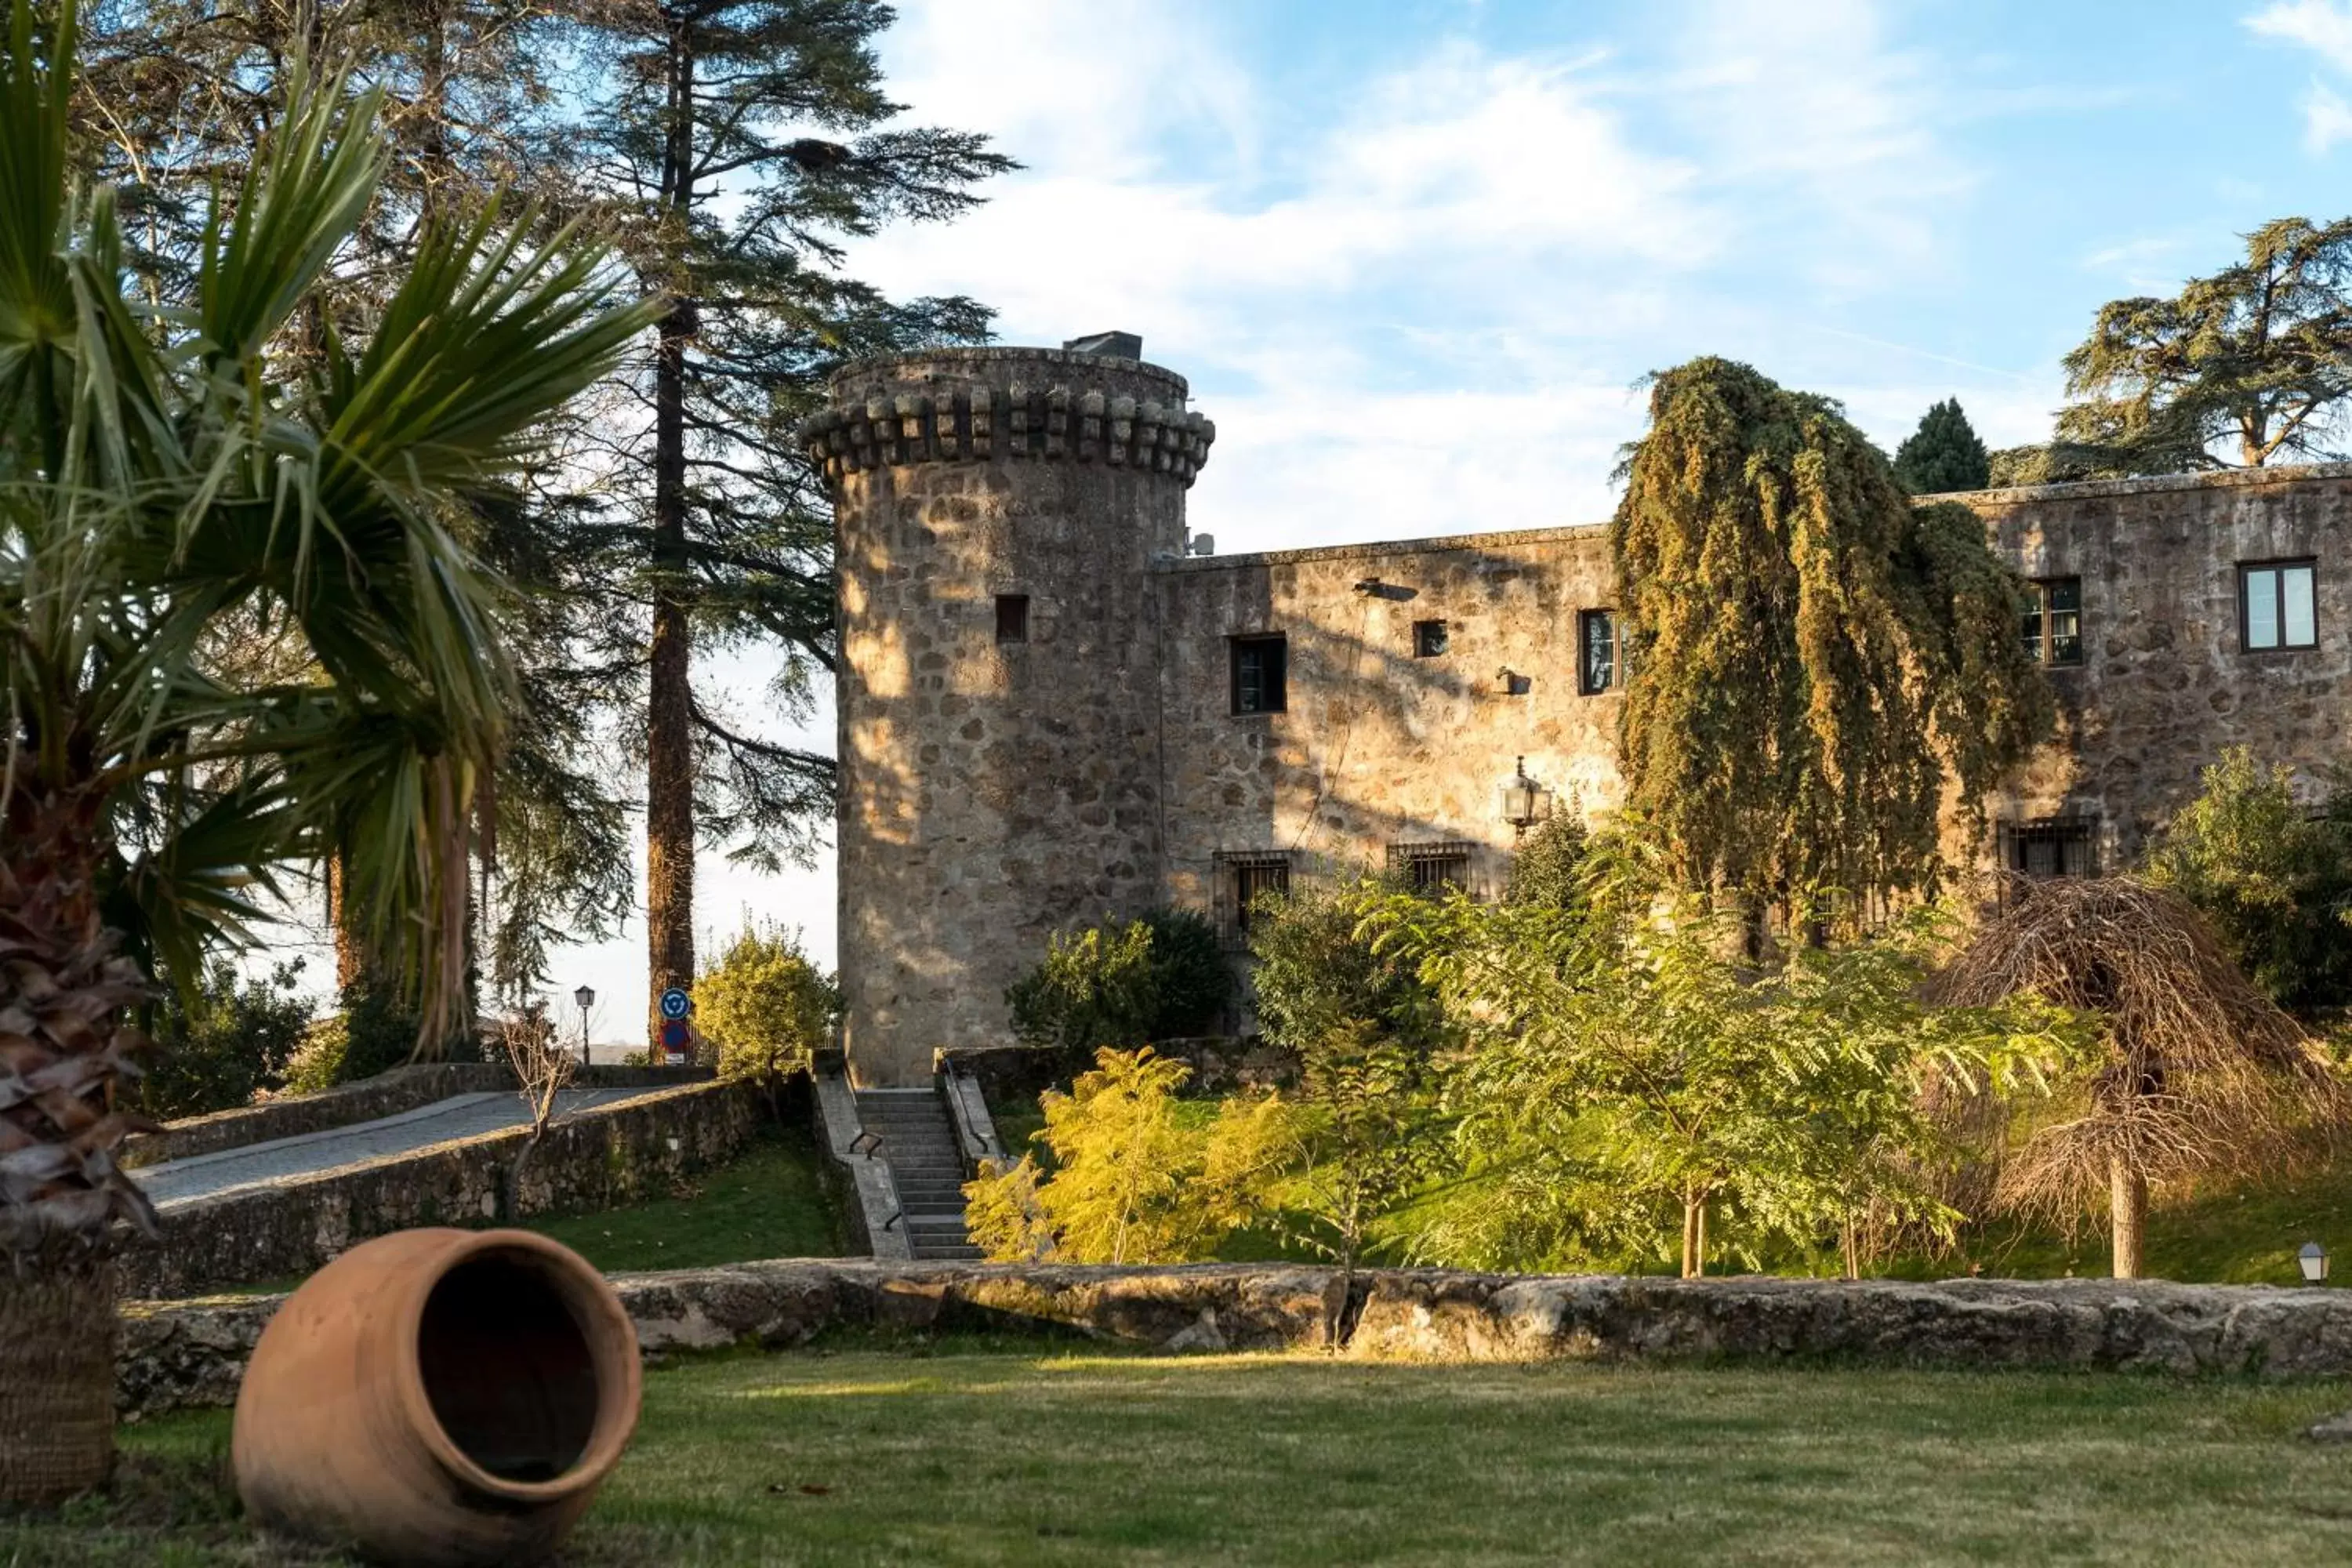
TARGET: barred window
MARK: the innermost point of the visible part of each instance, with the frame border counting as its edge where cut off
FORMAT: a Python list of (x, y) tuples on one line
[(2054, 847), (1247, 877), (1433, 867), (1428, 639)]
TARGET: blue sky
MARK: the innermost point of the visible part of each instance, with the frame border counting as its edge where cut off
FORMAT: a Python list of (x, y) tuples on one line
[(1414, 256)]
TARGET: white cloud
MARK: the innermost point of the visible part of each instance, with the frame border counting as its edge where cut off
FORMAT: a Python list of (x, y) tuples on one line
[(2326, 119), (2324, 27)]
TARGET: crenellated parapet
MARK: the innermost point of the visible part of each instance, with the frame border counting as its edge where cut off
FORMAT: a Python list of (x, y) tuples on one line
[(1048, 406)]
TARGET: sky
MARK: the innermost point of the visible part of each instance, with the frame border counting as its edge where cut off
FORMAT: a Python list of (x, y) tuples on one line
[(1415, 258)]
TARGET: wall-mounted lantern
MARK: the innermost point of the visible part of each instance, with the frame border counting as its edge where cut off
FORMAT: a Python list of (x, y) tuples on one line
[(2314, 1260), (1525, 802)]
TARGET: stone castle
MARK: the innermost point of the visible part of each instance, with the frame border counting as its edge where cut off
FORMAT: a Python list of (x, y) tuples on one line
[(1057, 704)]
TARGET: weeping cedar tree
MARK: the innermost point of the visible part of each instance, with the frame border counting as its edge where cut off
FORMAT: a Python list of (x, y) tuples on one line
[(2258, 356), (737, 145), (1943, 454), (162, 476), (1813, 660)]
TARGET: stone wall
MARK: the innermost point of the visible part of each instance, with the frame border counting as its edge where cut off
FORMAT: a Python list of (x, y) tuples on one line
[(385, 1094), (993, 788), (2166, 683), (610, 1154), (1377, 748), (192, 1352)]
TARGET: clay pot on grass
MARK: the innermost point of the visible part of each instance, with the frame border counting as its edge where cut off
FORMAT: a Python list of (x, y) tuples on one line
[(438, 1397)]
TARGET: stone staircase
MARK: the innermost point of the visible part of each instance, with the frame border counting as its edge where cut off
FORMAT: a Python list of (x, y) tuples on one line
[(919, 1144)]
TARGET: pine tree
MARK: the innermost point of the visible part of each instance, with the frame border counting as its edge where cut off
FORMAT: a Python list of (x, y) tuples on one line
[(739, 144), (1943, 455), (1812, 660)]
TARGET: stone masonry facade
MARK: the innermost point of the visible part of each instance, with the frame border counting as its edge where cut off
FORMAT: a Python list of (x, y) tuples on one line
[(1051, 711)]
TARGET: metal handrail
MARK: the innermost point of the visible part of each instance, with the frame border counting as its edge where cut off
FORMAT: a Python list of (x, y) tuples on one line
[(867, 1142)]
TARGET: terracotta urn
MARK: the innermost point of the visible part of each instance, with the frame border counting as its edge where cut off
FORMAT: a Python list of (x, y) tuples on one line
[(438, 1397)]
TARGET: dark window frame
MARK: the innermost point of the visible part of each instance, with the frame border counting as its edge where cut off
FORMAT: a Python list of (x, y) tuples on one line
[(2284, 564), (1428, 639), (1418, 863), (2042, 640), (1273, 694), (1614, 676), (1012, 618)]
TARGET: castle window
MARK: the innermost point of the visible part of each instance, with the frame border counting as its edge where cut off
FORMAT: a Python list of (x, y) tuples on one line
[(2277, 605), (1012, 617), (2053, 621), (1249, 876), (1428, 638), (1596, 656), (1261, 674), (1431, 868), (2056, 846)]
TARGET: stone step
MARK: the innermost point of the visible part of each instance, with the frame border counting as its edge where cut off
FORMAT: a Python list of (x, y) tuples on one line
[(949, 1253)]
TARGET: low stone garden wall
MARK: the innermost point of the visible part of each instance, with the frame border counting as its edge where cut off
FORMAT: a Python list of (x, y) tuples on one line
[(385, 1094), (178, 1353), (598, 1158)]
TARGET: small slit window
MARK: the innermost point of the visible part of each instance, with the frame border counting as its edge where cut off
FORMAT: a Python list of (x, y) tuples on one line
[(1261, 674), (2278, 606), (1012, 617), (1428, 638), (1431, 868), (1596, 651), (2053, 621)]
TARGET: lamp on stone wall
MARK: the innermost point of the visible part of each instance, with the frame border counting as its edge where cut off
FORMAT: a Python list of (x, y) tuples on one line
[(1525, 802)]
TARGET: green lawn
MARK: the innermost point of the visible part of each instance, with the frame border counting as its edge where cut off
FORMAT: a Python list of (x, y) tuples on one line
[(977, 1454), (767, 1203)]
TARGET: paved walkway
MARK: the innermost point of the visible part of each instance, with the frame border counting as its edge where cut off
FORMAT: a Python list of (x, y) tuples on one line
[(176, 1182)]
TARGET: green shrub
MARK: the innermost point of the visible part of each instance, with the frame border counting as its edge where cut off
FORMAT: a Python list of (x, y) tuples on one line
[(374, 1032), (2274, 880), (1549, 867), (763, 1009), (217, 1046), (1319, 976), (1124, 984)]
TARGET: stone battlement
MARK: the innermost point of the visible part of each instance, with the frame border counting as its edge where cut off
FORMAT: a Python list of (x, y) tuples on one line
[(979, 404)]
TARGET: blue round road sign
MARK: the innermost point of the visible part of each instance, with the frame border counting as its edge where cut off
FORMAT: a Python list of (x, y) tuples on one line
[(676, 1004), (675, 1036)]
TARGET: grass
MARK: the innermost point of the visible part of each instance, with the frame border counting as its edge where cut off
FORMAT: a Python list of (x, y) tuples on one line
[(767, 1203), (978, 1454)]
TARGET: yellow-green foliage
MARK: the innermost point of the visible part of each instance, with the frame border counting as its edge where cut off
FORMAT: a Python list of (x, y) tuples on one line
[(1134, 1180), (763, 1008)]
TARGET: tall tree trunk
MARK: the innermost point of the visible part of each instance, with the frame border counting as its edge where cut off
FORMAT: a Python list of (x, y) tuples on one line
[(1694, 1235), (669, 708), (2128, 1197)]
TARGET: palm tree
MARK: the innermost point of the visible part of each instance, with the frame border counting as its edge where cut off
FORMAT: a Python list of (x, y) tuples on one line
[(170, 480)]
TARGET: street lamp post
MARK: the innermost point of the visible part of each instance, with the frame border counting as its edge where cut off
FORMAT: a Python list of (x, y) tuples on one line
[(586, 997)]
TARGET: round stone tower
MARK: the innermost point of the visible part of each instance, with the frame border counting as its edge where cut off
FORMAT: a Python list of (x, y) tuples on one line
[(998, 514)]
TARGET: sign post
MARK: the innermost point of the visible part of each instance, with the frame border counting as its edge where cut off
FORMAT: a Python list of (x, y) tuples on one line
[(676, 1034)]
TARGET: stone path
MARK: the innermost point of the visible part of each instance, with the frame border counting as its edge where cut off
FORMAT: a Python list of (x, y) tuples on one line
[(175, 1181)]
